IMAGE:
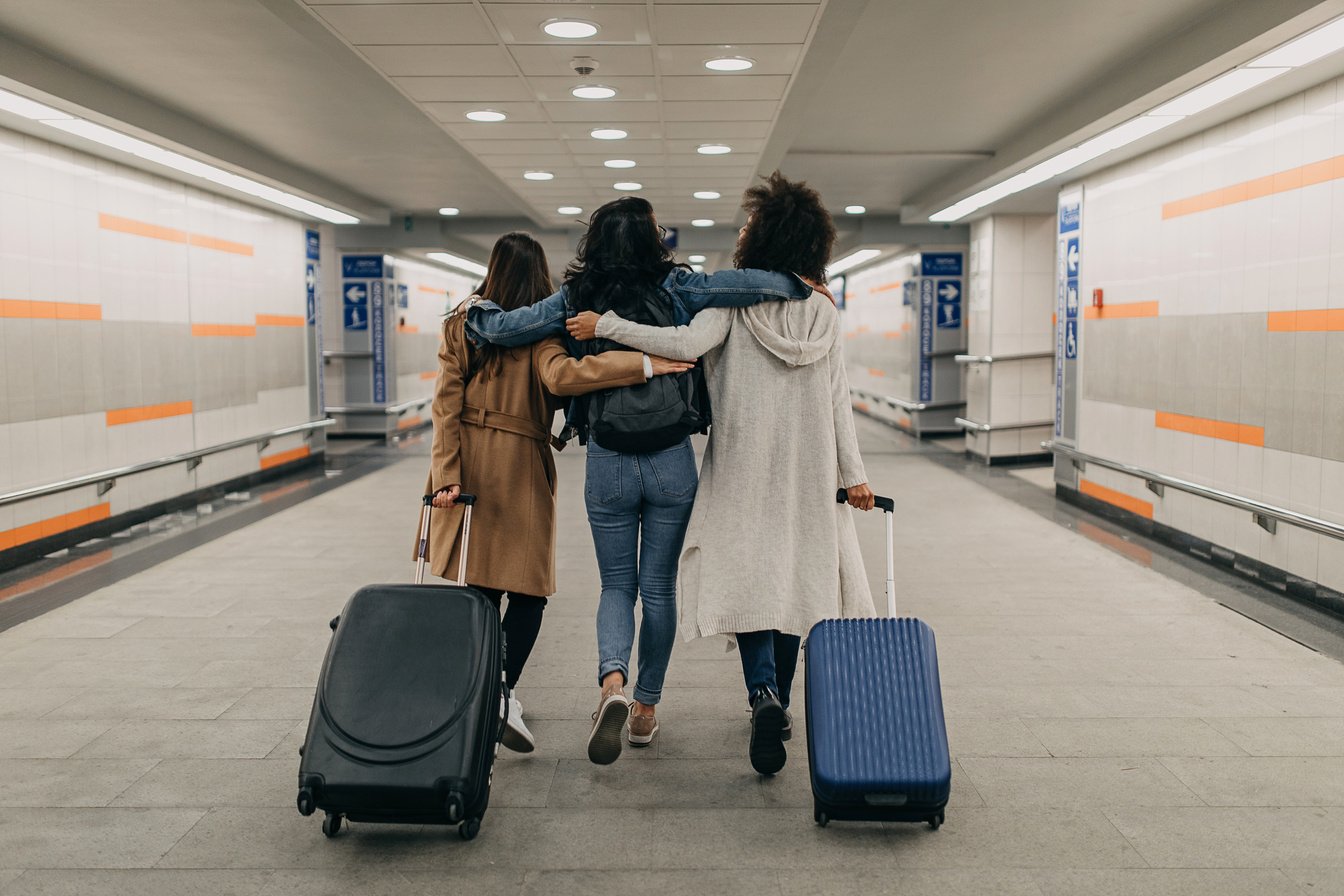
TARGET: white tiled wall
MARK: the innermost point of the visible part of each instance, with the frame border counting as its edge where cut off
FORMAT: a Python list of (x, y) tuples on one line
[(53, 249), (1224, 270)]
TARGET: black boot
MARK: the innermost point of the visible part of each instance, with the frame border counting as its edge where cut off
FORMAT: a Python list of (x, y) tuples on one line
[(768, 720)]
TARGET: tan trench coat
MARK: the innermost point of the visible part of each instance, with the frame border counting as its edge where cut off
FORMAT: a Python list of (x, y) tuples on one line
[(493, 439)]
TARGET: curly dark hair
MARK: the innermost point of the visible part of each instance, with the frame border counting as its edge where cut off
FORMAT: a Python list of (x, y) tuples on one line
[(788, 229), (621, 262)]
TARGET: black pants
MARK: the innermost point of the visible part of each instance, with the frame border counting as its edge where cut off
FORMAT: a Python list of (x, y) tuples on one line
[(522, 624), (769, 660)]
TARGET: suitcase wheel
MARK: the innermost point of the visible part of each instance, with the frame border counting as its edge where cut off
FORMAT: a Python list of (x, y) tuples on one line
[(822, 818), (468, 829), (936, 821), (306, 804), (331, 825)]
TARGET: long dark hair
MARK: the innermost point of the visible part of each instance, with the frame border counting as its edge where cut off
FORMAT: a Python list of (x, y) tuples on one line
[(621, 261), (516, 277), (788, 229)]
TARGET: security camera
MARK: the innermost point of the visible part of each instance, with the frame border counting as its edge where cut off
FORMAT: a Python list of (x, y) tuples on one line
[(583, 65)]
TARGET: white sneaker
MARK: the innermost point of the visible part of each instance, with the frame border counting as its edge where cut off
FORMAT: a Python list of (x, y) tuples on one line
[(516, 736)]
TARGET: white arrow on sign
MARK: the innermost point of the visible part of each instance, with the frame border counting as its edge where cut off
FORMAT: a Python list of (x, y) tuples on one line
[(355, 295), (311, 278), (949, 291), (1073, 257)]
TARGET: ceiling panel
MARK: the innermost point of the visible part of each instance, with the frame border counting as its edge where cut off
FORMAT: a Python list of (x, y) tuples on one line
[(469, 89), (550, 60), (734, 110), (704, 131), (477, 132), (483, 148), (423, 23), (770, 59), (399, 60), (615, 149), (727, 23), (521, 23), (605, 112), (718, 87)]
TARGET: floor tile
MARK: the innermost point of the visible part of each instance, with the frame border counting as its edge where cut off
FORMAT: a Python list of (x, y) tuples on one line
[(67, 783), (47, 739), (1133, 737), (1263, 780), (1217, 837), (148, 703), (1285, 735), (91, 838), (1075, 783), (1164, 881), (140, 882), (205, 783), (174, 739)]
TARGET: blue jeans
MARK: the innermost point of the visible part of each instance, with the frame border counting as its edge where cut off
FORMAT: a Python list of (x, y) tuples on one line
[(638, 507), (769, 660)]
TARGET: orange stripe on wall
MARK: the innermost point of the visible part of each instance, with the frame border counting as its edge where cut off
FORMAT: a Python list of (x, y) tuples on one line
[(202, 241), (284, 457), (875, 371), (22, 308), (886, 286), (122, 416), (1279, 182), (54, 526), (141, 228), (1213, 429), (407, 328), (280, 320), (409, 422), (429, 374), (1119, 499), (1325, 319), (223, 330), (433, 289), (1120, 310)]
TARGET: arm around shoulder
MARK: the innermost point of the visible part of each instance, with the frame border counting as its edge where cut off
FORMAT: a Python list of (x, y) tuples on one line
[(562, 374), (706, 330)]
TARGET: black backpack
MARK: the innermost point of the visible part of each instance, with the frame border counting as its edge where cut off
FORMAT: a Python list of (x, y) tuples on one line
[(648, 417)]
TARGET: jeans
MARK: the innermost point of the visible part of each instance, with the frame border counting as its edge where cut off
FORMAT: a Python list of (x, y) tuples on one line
[(522, 624), (769, 660), (638, 507)]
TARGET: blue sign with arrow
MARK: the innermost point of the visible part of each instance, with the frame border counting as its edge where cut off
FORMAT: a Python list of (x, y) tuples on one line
[(356, 294), (1071, 257)]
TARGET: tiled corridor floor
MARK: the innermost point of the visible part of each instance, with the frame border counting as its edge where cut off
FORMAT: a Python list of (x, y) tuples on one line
[(1113, 731)]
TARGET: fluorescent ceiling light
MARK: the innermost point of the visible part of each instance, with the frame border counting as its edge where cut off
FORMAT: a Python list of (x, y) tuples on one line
[(697, 259), (1218, 90), (713, 149), (702, 222), (569, 210), (486, 115), (627, 185), (608, 134), (570, 29), (462, 264), (537, 175), (705, 194), (178, 162), (1308, 48), (448, 211), (699, 269), (593, 92), (851, 260), (855, 209), (619, 163), (22, 106), (729, 64)]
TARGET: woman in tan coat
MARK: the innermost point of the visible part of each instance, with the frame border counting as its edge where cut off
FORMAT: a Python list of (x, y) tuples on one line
[(492, 414)]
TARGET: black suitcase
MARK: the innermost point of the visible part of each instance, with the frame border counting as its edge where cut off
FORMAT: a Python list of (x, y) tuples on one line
[(876, 737), (410, 705)]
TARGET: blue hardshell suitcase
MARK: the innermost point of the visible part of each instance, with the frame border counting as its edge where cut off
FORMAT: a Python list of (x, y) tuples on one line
[(876, 738)]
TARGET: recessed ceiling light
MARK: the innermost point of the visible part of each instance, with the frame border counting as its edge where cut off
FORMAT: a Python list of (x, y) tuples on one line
[(619, 163), (855, 209), (569, 210), (705, 194), (699, 269), (538, 175), (608, 134), (448, 211), (702, 222), (696, 259), (486, 115), (713, 149), (593, 92), (729, 64), (627, 185), (570, 29)]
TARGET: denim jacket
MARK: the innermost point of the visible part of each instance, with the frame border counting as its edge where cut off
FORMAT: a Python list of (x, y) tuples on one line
[(691, 293)]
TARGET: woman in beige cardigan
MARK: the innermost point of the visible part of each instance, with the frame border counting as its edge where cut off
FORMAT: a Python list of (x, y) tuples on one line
[(768, 552), (492, 415)]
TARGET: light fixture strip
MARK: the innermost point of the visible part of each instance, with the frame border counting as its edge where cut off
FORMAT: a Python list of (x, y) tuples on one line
[(457, 261), (853, 259)]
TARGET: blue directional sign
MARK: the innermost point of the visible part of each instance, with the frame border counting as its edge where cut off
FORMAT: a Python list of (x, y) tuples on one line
[(366, 267), (908, 292), (403, 296), (314, 245), (379, 342), (926, 309), (1070, 214), (949, 315), (356, 317), (940, 264), (1071, 257), (1070, 339), (355, 293), (310, 283), (1071, 299), (948, 291)]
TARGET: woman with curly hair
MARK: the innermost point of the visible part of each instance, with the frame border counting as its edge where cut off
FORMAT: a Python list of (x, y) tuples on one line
[(768, 553)]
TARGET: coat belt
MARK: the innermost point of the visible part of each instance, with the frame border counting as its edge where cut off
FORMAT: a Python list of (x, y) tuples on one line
[(503, 422)]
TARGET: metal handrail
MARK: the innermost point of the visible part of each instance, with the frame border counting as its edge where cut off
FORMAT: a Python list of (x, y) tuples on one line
[(105, 479), (378, 408), (908, 406), (347, 353), (999, 427), (990, 359), (1265, 514)]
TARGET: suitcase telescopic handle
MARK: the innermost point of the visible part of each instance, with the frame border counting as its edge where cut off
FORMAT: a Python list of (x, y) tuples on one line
[(422, 551), (888, 507)]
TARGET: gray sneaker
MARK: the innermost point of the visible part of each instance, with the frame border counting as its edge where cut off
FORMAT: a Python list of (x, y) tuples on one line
[(643, 729)]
